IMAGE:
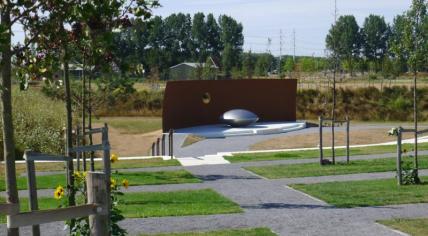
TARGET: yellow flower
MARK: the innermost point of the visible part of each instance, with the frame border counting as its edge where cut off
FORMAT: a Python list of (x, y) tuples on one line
[(77, 175), (125, 183), (84, 174), (112, 183), (114, 158), (59, 192)]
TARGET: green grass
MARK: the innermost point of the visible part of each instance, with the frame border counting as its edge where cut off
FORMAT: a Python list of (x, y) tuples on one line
[(159, 204), (366, 193), (143, 163), (227, 232), (134, 125), (179, 203), (315, 169), (244, 157), (135, 179), (414, 227)]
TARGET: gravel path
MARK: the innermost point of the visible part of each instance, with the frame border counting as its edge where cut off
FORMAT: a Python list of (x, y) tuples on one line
[(268, 203)]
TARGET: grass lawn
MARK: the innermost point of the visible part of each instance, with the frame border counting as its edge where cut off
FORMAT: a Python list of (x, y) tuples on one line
[(244, 157), (159, 204), (414, 227), (135, 179), (134, 125), (227, 232), (121, 164), (366, 193), (315, 169)]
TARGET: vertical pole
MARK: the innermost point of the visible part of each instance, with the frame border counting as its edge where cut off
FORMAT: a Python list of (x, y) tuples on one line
[(78, 144), (98, 194), (158, 147), (171, 143), (153, 149), (333, 154), (163, 144), (399, 170), (320, 145), (347, 139), (107, 168), (32, 191)]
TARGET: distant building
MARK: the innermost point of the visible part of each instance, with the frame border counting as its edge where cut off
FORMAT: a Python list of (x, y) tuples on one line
[(191, 70)]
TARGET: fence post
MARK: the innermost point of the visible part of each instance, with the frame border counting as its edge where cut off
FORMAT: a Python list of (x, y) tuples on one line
[(321, 144), (171, 143), (98, 194), (153, 149), (32, 191), (107, 166), (163, 144), (158, 147), (399, 152), (347, 139)]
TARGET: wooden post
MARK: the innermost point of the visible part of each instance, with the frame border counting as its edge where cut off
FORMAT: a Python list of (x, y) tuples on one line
[(158, 147), (347, 139), (320, 145), (32, 192), (107, 167), (399, 169), (163, 144), (171, 143), (98, 194)]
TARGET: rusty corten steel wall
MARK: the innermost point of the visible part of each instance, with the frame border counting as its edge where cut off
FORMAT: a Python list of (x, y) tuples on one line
[(270, 99)]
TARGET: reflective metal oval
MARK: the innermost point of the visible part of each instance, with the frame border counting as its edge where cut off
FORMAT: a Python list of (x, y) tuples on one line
[(239, 118)]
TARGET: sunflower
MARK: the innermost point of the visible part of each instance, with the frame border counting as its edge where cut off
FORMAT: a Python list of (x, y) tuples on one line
[(112, 183), (125, 183), (114, 158), (59, 192)]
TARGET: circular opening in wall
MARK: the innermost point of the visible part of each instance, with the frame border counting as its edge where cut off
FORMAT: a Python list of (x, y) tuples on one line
[(206, 98)]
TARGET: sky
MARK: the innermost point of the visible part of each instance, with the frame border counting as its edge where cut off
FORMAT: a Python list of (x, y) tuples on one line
[(263, 19), (309, 19)]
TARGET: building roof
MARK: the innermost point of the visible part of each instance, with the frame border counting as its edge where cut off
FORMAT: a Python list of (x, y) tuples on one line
[(196, 64)]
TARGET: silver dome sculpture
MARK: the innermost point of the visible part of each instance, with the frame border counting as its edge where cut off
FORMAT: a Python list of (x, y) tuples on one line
[(239, 118)]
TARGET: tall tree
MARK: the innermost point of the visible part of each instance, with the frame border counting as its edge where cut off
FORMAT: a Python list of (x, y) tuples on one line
[(248, 65), (344, 39), (375, 36), (232, 40), (29, 15), (200, 34), (414, 44)]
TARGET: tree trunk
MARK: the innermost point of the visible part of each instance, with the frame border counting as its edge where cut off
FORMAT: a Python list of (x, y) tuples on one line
[(69, 132), (7, 120)]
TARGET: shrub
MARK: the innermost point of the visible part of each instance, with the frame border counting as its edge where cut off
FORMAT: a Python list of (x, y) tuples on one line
[(38, 122)]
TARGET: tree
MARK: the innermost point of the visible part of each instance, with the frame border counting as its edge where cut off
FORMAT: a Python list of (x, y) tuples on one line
[(200, 33), (289, 65), (414, 44), (209, 72), (344, 39), (263, 64), (28, 14), (227, 60), (248, 65), (232, 40), (375, 36), (213, 36)]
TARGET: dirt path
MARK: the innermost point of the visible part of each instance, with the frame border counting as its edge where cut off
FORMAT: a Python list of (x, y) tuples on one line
[(127, 145), (367, 136)]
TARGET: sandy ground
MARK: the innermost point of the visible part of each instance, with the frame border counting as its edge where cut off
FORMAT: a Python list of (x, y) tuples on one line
[(368, 136), (128, 145)]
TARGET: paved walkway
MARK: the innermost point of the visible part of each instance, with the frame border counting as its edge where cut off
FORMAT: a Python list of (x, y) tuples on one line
[(266, 203)]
